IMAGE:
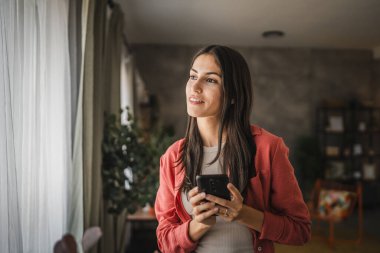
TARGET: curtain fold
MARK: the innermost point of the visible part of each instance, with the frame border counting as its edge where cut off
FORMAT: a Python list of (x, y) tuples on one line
[(111, 85), (127, 89), (112, 64), (101, 92), (87, 117), (10, 229), (78, 21), (36, 105), (75, 46), (51, 135), (93, 107)]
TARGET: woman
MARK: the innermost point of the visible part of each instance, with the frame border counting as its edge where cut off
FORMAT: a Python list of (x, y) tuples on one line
[(266, 203)]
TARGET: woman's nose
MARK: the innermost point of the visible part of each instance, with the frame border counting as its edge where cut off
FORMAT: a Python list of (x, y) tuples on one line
[(196, 86)]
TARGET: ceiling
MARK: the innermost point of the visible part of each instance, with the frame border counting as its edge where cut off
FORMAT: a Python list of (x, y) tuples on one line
[(306, 23)]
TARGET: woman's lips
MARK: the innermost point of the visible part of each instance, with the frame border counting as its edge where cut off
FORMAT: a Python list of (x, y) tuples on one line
[(195, 101)]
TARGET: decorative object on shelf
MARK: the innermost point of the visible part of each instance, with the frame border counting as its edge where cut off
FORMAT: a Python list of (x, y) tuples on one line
[(332, 151), (335, 124), (369, 171), (371, 152), (357, 149), (148, 209), (357, 175), (362, 126), (346, 152), (335, 170)]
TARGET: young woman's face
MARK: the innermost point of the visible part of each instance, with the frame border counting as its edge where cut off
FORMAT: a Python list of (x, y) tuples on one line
[(204, 88)]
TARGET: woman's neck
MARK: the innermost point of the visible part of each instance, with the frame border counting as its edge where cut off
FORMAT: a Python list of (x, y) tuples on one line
[(209, 131)]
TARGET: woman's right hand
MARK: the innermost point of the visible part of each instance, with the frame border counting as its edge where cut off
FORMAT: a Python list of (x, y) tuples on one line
[(203, 214), (203, 210)]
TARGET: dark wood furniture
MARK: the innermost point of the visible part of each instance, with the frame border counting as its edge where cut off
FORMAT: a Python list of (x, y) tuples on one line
[(351, 148), (143, 228), (356, 201)]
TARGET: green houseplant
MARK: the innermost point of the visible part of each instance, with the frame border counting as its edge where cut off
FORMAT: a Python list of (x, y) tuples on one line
[(126, 148), (159, 140), (119, 155)]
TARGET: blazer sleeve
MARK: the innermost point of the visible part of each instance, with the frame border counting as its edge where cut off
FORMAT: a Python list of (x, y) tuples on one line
[(288, 222), (172, 233)]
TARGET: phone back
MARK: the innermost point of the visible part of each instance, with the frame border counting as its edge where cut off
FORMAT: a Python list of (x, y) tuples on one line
[(214, 184)]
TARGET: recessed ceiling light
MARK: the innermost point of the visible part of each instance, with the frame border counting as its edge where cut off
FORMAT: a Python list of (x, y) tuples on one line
[(275, 34)]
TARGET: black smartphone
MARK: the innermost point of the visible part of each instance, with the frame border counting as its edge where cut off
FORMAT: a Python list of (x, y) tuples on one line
[(214, 184)]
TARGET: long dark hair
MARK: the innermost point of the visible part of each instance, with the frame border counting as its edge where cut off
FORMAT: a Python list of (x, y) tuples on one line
[(239, 149)]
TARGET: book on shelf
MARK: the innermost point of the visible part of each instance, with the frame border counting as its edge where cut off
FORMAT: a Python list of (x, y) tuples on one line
[(332, 151)]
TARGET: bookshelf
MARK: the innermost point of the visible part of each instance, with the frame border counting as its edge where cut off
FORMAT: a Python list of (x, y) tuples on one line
[(349, 139)]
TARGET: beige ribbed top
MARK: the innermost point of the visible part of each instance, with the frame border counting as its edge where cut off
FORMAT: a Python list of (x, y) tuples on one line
[(223, 237)]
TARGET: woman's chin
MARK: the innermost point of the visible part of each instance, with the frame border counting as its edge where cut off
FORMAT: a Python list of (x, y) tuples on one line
[(193, 113)]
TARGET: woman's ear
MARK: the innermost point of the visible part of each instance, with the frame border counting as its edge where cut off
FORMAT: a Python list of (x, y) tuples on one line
[(232, 101)]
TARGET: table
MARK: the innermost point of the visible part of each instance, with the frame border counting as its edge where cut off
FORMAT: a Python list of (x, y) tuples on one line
[(141, 215), (143, 232)]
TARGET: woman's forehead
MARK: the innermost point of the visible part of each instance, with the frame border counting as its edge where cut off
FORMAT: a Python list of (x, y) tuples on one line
[(206, 63)]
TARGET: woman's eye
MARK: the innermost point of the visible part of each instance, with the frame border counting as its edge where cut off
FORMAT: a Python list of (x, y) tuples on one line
[(192, 77), (211, 80)]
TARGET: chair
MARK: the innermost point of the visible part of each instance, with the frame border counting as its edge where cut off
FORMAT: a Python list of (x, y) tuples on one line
[(68, 243), (334, 202), (91, 237)]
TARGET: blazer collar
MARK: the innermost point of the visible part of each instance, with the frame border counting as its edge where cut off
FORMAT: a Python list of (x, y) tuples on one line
[(256, 130)]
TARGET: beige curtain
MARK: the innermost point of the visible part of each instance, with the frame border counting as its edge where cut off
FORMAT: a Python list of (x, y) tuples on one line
[(113, 60), (112, 80), (35, 124), (77, 13), (111, 91), (101, 92), (90, 133), (127, 84)]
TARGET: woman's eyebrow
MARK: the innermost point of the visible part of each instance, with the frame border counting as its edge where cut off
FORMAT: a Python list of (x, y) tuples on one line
[(208, 73)]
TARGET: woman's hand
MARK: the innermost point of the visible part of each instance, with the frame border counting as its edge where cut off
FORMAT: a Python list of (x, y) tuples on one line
[(203, 211), (203, 214), (229, 210)]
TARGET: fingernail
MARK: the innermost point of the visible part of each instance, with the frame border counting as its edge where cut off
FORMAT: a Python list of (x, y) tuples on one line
[(216, 209), (203, 194)]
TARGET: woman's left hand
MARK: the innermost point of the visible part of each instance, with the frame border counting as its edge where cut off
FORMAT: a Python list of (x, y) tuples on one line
[(229, 210)]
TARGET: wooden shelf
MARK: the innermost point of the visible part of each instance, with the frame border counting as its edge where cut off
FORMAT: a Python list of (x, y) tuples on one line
[(349, 138)]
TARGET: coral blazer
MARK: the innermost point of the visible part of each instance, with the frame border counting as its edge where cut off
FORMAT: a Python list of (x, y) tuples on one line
[(274, 191)]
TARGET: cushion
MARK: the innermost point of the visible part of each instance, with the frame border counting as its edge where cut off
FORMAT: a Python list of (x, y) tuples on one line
[(335, 204)]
